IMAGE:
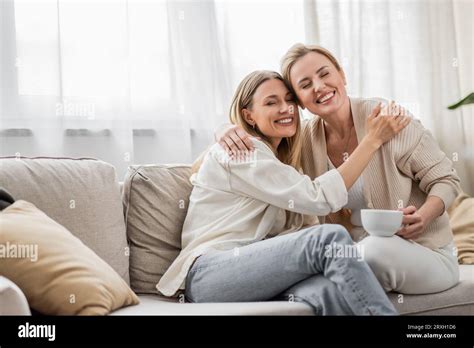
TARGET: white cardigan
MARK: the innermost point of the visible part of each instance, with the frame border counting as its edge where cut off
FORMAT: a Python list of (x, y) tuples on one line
[(235, 203)]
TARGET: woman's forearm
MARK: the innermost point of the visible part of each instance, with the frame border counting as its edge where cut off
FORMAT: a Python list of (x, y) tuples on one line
[(353, 167), (432, 208)]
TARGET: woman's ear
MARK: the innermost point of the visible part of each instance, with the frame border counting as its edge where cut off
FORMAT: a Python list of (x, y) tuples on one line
[(248, 117)]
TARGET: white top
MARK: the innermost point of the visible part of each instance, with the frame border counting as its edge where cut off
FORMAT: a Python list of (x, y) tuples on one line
[(355, 199), (235, 203)]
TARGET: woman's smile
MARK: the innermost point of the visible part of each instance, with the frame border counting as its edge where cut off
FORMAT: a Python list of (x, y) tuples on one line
[(325, 98), (286, 121)]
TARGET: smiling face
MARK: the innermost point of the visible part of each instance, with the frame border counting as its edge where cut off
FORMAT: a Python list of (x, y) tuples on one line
[(319, 85), (273, 111)]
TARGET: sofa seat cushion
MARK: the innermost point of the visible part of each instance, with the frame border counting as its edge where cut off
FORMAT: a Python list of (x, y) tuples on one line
[(155, 199), (459, 300), (160, 305), (58, 274), (82, 195)]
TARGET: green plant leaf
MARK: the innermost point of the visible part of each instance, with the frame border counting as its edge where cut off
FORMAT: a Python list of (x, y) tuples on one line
[(468, 100)]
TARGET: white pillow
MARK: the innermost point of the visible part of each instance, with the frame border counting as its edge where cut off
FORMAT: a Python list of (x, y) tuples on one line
[(12, 299)]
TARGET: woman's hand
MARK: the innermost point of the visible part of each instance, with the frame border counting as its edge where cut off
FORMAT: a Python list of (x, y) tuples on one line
[(413, 223), (384, 123), (234, 139)]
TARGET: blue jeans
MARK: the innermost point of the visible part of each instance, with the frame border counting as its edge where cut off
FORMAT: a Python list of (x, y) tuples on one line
[(294, 266)]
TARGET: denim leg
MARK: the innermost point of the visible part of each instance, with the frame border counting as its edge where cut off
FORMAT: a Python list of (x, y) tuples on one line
[(262, 270), (320, 293)]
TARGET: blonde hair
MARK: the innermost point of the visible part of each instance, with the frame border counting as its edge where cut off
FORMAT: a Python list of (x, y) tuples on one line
[(289, 149), (298, 51)]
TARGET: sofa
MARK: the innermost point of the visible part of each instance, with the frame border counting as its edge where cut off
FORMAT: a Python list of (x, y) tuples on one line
[(134, 225)]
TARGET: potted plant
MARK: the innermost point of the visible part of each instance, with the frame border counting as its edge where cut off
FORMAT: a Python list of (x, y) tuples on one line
[(467, 100)]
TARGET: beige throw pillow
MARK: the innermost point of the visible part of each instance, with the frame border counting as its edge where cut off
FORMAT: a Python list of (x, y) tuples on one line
[(155, 201), (461, 217), (58, 273), (83, 195)]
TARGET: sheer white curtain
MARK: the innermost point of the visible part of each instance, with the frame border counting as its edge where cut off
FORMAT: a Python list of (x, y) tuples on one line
[(136, 81), (419, 53), (131, 81)]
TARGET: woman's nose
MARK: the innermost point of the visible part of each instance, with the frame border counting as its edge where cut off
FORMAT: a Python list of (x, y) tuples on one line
[(318, 85), (286, 107)]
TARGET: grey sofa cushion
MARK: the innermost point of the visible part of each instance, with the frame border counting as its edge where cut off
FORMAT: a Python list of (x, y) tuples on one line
[(459, 300), (155, 199), (83, 195)]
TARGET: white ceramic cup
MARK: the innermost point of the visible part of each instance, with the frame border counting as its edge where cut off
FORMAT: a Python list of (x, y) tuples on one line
[(381, 223)]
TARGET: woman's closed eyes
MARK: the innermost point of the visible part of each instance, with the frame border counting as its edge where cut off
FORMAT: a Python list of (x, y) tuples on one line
[(322, 74), (288, 100)]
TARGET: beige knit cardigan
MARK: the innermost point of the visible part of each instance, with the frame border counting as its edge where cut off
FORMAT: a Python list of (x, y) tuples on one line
[(403, 172)]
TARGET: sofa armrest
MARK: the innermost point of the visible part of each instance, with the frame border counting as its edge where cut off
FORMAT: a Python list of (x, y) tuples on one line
[(12, 299)]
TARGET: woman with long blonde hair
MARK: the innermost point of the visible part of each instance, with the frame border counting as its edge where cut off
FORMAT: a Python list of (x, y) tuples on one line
[(246, 238)]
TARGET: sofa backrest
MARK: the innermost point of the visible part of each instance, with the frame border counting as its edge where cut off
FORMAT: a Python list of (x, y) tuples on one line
[(81, 194)]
